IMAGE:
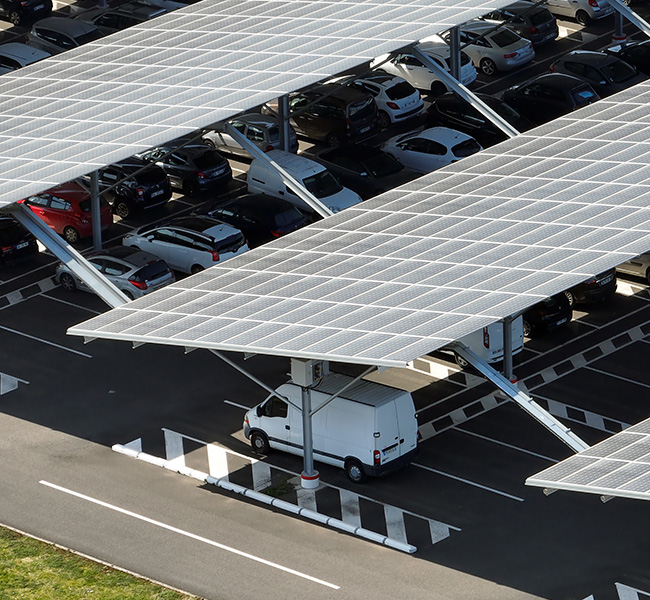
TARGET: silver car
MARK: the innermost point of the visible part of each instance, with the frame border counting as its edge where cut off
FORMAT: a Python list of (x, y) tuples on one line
[(639, 266), (582, 11), (189, 244), (133, 271)]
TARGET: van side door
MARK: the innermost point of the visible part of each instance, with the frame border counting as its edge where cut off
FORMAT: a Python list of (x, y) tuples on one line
[(275, 422)]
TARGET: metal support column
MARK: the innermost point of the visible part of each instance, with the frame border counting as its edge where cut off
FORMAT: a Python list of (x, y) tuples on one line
[(94, 211), (619, 35), (507, 349), (454, 51), (283, 122), (631, 16), (309, 476)]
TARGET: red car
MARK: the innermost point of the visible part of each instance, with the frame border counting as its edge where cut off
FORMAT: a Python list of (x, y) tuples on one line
[(66, 209)]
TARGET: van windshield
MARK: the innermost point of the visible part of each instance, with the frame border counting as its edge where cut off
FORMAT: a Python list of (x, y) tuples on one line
[(322, 184)]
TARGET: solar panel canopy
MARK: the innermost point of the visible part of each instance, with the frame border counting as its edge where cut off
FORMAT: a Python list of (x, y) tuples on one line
[(410, 271), (102, 102), (618, 466)]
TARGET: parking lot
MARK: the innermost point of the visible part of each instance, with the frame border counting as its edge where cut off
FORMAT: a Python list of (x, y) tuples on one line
[(462, 503)]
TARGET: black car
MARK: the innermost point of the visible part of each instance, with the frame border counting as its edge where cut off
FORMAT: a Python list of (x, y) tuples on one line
[(192, 168), (549, 314), (450, 110), (259, 217), (16, 243), (134, 185), (531, 21), (595, 289), (334, 113), (606, 73), (547, 97), (636, 54), (111, 20), (366, 170), (19, 11)]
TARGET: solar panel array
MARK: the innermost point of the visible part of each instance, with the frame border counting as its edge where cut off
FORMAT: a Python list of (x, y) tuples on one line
[(395, 277), (73, 113), (618, 466)]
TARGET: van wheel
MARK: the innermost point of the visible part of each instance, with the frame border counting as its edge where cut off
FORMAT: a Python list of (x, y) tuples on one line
[(260, 443), (582, 17), (354, 471)]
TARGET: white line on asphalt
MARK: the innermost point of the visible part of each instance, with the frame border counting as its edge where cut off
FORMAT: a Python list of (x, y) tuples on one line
[(468, 482), (616, 376), (69, 303), (489, 439), (237, 405), (31, 337), (189, 535)]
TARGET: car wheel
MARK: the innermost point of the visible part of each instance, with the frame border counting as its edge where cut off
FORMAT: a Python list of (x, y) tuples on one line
[(208, 142), (196, 269), (14, 17), (333, 140), (67, 282), (122, 209), (128, 294), (190, 188), (438, 88), (354, 471), (528, 330), (383, 119), (582, 17), (71, 235), (570, 297), (260, 443), (488, 67)]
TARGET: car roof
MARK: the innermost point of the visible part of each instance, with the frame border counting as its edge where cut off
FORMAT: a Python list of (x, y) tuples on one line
[(132, 163), (141, 9), (485, 26), (197, 223), (71, 191), (523, 6), (22, 52), (134, 256), (439, 48), (361, 151), (256, 119), (336, 91), (288, 160), (558, 81), (437, 134), (384, 79), (591, 57), (71, 27)]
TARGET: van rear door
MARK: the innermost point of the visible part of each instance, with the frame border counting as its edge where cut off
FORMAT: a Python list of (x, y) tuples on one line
[(387, 425)]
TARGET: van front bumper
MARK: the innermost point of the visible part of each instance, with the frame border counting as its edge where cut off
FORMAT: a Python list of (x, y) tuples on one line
[(393, 465)]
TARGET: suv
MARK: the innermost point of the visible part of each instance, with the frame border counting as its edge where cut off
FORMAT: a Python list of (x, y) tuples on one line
[(133, 271), (189, 244), (133, 185), (531, 21), (334, 113), (56, 34), (19, 11), (110, 20)]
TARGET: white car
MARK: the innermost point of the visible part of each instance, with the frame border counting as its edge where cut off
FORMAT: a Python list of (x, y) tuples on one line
[(407, 66), (493, 47), (430, 149), (582, 11), (189, 244), (396, 99), (16, 55)]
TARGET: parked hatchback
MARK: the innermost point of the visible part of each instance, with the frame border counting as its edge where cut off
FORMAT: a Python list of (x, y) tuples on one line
[(192, 168), (636, 54), (133, 271), (259, 217), (19, 11), (189, 244), (66, 209), (582, 11), (547, 97), (334, 113), (604, 72), (16, 55), (530, 20), (16, 243), (110, 20), (57, 34)]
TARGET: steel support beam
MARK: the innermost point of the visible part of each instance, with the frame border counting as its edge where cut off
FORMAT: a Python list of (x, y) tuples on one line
[(525, 401), (69, 256), (507, 349), (283, 122), (309, 476), (94, 211), (306, 196), (631, 16), (454, 51), (466, 95)]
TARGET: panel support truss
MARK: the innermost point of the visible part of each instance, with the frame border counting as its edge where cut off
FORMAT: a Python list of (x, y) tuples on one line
[(523, 400), (631, 16)]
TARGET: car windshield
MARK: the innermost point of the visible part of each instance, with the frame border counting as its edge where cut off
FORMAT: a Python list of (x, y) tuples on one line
[(362, 109), (464, 59), (504, 38), (466, 148), (322, 184), (209, 159), (151, 271), (618, 71), (382, 165), (400, 90), (540, 17), (504, 110)]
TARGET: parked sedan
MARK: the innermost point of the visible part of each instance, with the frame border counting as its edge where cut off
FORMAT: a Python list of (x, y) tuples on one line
[(606, 73), (493, 47), (133, 271), (366, 170), (192, 168), (431, 149), (16, 243), (16, 55), (260, 218), (19, 11), (547, 97), (450, 110), (56, 34), (110, 20), (189, 244), (638, 266), (530, 20), (261, 130), (66, 209), (636, 54), (599, 288), (547, 315)]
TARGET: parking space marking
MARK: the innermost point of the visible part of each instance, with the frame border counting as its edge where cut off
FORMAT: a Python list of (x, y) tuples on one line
[(588, 368), (500, 443), (468, 482), (188, 534), (44, 295), (32, 337)]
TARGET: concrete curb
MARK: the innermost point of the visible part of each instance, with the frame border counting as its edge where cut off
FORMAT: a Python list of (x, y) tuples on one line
[(265, 499)]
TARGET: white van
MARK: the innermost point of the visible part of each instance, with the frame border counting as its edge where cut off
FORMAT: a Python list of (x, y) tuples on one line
[(313, 176), (487, 343), (370, 430)]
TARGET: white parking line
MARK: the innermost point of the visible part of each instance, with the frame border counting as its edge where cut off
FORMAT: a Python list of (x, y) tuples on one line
[(489, 439), (189, 535), (32, 337), (468, 482), (96, 312), (617, 376)]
